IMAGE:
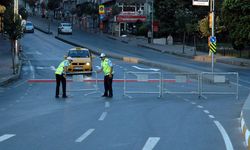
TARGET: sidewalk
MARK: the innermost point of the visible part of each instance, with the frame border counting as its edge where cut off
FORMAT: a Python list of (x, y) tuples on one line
[(6, 73)]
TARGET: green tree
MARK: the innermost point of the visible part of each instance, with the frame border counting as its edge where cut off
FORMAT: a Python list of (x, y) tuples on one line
[(13, 27), (53, 5), (23, 13), (236, 18), (6, 3), (165, 12)]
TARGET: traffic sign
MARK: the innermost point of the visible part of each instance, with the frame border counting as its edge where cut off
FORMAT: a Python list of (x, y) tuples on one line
[(101, 9), (212, 44), (213, 39)]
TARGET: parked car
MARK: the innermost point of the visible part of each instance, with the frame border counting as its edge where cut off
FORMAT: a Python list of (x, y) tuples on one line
[(65, 28), (29, 27), (82, 60)]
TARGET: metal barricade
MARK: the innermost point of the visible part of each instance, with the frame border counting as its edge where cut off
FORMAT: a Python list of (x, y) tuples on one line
[(83, 81), (180, 83), (219, 83), (142, 83)]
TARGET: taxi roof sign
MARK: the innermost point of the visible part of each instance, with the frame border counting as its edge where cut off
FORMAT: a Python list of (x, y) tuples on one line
[(78, 48)]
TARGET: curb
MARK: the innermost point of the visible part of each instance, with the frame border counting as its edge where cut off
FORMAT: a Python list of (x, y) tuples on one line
[(244, 126), (12, 77), (39, 29)]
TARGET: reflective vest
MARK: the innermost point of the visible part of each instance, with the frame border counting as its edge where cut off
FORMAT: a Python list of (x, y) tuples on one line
[(105, 66), (60, 68)]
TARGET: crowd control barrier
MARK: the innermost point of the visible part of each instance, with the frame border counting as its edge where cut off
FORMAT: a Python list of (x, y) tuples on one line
[(219, 83), (180, 83), (83, 81), (142, 83)]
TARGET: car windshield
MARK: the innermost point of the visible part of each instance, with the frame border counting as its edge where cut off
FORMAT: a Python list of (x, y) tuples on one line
[(28, 24), (66, 25), (78, 53)]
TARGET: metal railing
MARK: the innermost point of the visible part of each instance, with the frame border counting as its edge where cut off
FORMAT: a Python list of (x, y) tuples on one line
[(180, 83), (219, 83), (141, 81), (83, 81)]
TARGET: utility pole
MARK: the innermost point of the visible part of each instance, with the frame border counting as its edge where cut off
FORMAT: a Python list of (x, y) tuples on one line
[(152, 22), (212, 3)]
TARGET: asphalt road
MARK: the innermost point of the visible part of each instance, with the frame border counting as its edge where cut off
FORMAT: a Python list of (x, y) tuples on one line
[(31, 118)]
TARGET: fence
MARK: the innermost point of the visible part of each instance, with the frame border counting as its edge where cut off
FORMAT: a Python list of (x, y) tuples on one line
[(219, 83), (180, 83), (84, 81), (142, 83)]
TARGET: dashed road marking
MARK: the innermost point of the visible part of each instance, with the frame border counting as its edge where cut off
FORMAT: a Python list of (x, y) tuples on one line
[(107, 104), (6, 136), (206, 111), (211, 116), (151, 142), (84, 136), (102, 117), (199, 106), (193, 103), (225, 136)]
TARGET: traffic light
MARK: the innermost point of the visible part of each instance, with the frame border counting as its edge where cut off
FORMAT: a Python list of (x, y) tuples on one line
[(210, 19)]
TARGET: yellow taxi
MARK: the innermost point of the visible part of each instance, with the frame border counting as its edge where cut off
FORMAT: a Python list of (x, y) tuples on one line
[(82, 60)]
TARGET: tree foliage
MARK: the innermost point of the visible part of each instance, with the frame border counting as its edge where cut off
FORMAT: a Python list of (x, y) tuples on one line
[(23, 13), (12, 26), (87, 8), (53, 4), (165, 12), (31, 2), (236, 18), (6, 3)]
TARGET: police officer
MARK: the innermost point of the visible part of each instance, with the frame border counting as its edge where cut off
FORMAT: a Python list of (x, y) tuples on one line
[(107, 68), (61, 76)]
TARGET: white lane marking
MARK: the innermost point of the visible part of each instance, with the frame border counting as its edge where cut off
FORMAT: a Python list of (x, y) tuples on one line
[(193, 103), (107, 104), (225, 136), (139, 68), (151, 142), (53, 68), (102, 117), (34, 53), (187, 100), (199, 106), (206, 111), (98, 67), (6, 136), (40, 68), (85, 135), (32, 70), (211, 116)]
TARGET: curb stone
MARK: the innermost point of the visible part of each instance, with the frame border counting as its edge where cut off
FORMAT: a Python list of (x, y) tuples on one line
[(244, 126), (12, 77)]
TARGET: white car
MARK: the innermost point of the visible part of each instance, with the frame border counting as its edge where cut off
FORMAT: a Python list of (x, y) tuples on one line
[(29, 27), (65, 28)]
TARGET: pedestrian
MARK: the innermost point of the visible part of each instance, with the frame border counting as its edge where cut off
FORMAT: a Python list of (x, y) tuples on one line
[(61, 76), (107, 68)]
